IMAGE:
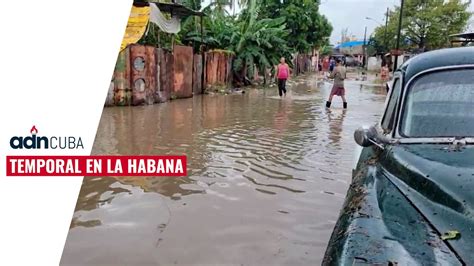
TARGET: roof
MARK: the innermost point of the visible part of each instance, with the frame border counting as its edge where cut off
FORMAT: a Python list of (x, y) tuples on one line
[(178, 9), (350, 44), (437, 58), (172, 8), (467, 35)]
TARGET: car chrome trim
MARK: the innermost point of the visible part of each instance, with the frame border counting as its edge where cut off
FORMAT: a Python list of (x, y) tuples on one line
[(434, 140), (397, 75), (357, 154), (396, 132)]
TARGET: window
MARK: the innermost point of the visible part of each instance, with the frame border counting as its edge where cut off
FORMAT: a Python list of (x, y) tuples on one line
[(390, 113), (440, 104)]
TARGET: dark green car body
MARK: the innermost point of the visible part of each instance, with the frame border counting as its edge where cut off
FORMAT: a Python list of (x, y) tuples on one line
[(407, 192)]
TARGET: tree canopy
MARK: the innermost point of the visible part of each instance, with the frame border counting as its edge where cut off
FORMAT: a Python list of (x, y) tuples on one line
[(426, 24), (259, 35), (307, 27)]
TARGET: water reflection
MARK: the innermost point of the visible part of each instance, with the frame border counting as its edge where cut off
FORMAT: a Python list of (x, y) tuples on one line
[(267, 177), (335, 121), (280, 120)]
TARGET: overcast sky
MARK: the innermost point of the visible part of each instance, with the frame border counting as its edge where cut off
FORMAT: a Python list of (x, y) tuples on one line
[(351, 14)]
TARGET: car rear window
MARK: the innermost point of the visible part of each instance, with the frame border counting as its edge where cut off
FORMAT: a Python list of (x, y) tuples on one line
[(440, 104)]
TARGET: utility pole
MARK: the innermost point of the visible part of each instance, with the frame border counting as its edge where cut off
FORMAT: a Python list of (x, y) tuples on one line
[(203, 57), (364, 62), (385, 32), (398, 36)]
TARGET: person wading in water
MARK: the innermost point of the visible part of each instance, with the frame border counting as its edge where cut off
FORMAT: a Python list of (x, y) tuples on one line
[(282, 74), (384, 73), (339, 75)]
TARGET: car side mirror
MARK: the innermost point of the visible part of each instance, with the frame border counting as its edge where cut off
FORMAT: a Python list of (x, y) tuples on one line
[(368, 136), (365, 136)]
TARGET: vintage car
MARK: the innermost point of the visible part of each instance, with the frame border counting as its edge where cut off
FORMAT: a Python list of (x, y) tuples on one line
[(411, 200)]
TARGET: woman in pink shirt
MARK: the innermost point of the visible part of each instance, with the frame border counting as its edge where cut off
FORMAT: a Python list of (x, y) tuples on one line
[(282, 74)]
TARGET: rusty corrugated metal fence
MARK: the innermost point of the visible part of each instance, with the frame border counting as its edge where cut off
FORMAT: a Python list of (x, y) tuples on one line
[(148, 75)]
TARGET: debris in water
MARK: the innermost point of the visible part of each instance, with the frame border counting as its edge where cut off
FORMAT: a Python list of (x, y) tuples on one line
[(161, 226), (451, 235), (176, 196)]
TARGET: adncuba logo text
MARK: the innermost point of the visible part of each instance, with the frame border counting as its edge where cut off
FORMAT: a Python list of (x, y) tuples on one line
[(41, 142)]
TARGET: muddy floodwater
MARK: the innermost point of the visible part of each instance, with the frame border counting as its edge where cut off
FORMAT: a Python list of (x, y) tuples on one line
[(266, 179)]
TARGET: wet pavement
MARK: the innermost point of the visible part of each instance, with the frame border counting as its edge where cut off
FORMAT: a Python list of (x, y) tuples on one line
[(266, 179)]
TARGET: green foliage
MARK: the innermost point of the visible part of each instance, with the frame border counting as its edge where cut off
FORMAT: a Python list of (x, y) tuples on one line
[(217, 31), (261, 43), (426, 24), (258, 42), (375, 47), (155, 37), (253, 40), (259, 35), (326, 49), (307, 27)]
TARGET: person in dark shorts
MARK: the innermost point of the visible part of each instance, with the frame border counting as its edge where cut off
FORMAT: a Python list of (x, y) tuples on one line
[(282, 74), (339, 75), (332, 65)]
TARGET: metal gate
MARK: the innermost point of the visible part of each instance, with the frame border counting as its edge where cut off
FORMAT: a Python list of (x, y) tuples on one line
[(183, 72), (164, 75)]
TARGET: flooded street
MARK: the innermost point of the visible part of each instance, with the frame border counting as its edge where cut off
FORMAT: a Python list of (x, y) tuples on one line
[(266, 179)]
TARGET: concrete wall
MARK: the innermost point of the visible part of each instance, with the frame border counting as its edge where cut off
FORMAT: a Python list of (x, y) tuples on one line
[(374, 64), (353, 50)]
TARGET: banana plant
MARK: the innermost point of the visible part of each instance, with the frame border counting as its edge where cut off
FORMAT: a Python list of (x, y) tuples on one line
[(258, 42)]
